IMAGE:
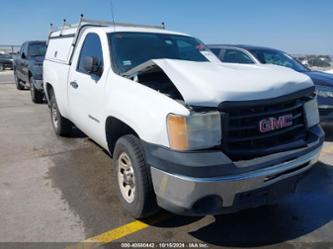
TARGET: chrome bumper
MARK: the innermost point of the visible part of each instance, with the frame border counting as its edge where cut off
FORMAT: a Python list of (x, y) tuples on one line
[(175, 192), (38, 84)]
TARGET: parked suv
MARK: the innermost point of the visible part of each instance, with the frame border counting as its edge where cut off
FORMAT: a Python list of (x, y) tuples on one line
[(6, 61), (28, 67), (192, 136), (246, 54)]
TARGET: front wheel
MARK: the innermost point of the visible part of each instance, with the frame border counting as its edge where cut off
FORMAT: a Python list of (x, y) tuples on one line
[(36, 96), (62, 126), (17, 83), (135, 188)]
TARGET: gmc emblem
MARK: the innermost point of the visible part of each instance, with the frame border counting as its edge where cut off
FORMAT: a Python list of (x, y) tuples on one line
[(271, 124)]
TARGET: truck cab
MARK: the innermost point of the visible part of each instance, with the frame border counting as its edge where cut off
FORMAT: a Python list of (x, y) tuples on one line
[(185, 132), (28, 67)]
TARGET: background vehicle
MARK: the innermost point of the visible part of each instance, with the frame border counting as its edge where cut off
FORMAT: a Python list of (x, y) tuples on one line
[(188, 135), (28, 67), (6, 61), (260, 55)]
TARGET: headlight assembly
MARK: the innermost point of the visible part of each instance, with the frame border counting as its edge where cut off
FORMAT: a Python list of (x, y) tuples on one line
[(311, 113), (196, 131), (37, 69)]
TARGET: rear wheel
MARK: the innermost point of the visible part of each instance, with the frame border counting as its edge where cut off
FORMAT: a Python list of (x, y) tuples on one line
[(61, 125), (17, 83), (135, 188), (36, 95)]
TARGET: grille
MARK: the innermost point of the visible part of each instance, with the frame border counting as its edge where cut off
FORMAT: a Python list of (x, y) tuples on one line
[(242, 139)]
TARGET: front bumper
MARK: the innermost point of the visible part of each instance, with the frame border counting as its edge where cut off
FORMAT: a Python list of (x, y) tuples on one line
[(325, 106), (38, 84), (326, 115), (218, 187)]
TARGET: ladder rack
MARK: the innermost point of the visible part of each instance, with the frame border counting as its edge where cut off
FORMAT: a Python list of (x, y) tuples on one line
[(98, 23), (84, 23)]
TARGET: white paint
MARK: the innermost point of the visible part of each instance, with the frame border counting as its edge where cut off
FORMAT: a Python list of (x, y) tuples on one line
[(208, 84)]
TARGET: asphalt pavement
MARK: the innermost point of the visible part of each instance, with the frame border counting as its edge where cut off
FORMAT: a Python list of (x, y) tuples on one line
[(6, 77)]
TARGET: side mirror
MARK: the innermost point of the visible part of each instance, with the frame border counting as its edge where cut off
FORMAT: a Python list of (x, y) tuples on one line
[(91, 65), (23, 56)]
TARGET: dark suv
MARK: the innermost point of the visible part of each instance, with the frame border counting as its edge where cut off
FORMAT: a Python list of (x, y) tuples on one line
[(246, 54), (6, 61), (28, 69)]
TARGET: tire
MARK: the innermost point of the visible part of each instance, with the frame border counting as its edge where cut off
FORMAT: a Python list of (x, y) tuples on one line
[(2, 67), (142, 203), (62, 126), (17, 83), (36, 95)]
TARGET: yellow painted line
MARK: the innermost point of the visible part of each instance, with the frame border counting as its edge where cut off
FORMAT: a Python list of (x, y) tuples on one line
[(118, 233)]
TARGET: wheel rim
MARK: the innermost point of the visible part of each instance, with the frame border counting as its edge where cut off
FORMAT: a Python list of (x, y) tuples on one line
[(126, 177), (54, 115)]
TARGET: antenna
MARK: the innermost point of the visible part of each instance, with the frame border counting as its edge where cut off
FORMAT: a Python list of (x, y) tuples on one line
[(63, 26), (81, 19), (112, 14), (51, 28)]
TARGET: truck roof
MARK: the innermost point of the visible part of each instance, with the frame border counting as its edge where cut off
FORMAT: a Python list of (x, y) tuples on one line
[(242, 46)]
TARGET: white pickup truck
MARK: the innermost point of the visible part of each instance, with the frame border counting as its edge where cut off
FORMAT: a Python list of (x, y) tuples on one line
[(186, 132)]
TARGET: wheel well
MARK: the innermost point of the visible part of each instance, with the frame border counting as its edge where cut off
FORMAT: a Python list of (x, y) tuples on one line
[(49, 89), (115, 129)]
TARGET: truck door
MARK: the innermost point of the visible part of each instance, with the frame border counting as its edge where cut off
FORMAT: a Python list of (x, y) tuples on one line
[(25, 64), (86, 86), (20, 61)]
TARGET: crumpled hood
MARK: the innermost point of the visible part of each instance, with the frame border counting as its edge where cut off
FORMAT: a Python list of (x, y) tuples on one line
[(209, 84)]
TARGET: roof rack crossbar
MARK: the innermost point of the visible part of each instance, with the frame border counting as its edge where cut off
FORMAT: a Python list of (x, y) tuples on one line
[(97, 23)]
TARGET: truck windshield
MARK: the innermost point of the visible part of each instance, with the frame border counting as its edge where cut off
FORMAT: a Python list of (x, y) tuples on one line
[(266, 56), (37, 49), (130, 49)]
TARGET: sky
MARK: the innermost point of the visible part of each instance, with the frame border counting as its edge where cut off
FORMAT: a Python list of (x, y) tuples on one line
[(295, 26)]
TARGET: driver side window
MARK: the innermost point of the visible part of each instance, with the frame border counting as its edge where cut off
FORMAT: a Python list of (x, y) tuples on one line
[(91, 47), (236, 56)]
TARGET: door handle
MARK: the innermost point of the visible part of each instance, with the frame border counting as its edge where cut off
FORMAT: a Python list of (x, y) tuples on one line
[(74, 84)]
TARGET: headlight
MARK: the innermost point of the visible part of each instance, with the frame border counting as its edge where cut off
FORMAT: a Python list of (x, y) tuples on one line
[(311, 113), (324, 91), (196, 131), (37, 69)]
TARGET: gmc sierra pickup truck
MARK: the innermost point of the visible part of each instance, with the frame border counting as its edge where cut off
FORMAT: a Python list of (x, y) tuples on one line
[(28, 67), (186, 132)]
